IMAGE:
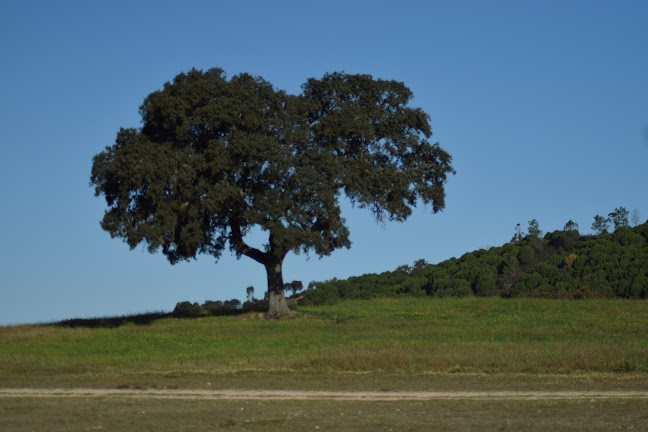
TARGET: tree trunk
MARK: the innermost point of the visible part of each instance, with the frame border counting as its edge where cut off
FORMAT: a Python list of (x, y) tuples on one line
[(277, 305)]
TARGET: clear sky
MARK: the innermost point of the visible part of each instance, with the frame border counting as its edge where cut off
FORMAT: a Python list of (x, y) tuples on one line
[(542, 104)]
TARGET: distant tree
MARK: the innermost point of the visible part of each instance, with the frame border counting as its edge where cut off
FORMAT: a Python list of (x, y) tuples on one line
[(210, 307), (634, 217), (294, 287), (419, 264), (571, 226), (619, 218), (600, 224), (534, 229), (249, 291), (187, 310), (404, 268), (518, 234), (233, 304), (217, 158)]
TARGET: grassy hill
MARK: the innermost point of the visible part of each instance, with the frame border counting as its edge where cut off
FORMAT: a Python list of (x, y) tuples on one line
[(405, 336), (383, 345)]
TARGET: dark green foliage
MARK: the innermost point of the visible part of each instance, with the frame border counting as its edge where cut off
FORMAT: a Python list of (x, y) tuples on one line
[(216, 158), (453, 288), (600, 224), (562, 240), (486, 282), (322, 293), (414, 286), (419, 264), (294, 287), (518, 234), (619, 218), (534, 228), (254, 305), (187, 309), (526, 254), (547, 291), (249, 292), (562, 265), (571, 226), (527, 282)]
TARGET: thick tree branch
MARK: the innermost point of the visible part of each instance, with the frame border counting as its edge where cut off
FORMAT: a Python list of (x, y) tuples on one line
[(241, 247)]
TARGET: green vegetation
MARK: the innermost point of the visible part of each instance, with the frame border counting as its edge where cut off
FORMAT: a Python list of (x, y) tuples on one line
[(388, 336), (561, 265), (216, 158), (387, 344)]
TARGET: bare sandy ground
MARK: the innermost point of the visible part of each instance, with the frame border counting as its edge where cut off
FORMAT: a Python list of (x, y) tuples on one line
[(316, 395)]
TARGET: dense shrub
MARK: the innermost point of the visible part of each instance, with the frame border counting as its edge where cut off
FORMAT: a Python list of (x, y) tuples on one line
[(187, 309), (454, 288), (322, 293)]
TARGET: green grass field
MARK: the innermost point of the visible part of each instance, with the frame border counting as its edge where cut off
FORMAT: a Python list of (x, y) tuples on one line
[(401, 336), (386, 344)]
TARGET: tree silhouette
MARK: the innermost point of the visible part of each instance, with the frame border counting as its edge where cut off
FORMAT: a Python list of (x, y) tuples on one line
[(619, 218), (635, 218), (534, 228), (216, 158), (600, 224)]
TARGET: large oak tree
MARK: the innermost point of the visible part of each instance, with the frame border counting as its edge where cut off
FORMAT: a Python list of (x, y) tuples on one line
[(217, 157)]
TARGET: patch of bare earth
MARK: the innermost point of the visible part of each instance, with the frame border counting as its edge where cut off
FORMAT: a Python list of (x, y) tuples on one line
[(231, 394)]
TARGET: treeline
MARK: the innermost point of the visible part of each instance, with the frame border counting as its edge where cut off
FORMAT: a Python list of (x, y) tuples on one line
[(563, 264), (560, 264)]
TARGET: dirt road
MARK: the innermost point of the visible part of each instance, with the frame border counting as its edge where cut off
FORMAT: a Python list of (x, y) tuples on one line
[(315, 395)]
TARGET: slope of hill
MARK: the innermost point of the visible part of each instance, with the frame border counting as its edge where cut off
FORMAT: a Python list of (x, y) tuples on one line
[(562, 264)]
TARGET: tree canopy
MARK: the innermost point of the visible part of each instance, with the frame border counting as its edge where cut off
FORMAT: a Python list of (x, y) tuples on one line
[(217, 157)]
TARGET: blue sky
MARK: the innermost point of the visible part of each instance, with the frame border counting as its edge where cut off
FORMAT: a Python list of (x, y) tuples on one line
[(542, 104)]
